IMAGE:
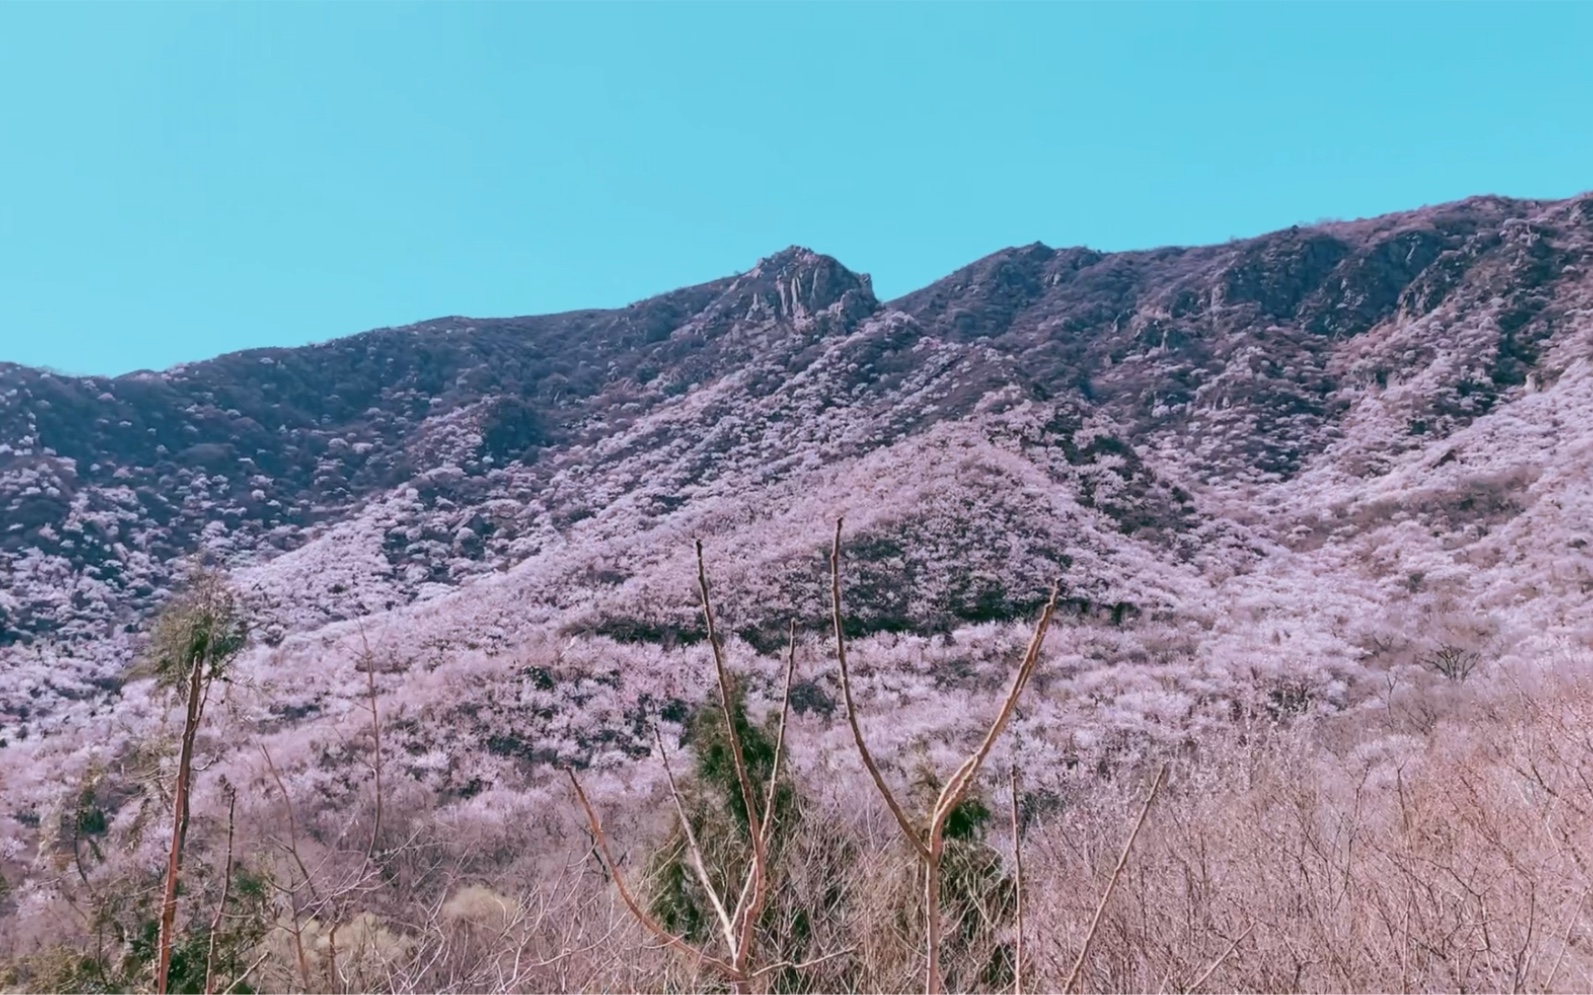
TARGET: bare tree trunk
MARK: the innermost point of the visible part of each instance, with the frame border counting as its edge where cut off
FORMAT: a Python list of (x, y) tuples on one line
[(933, 983), (1017, 886), (179, 829)]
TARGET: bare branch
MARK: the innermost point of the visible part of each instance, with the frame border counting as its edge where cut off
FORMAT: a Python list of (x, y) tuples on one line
[(779, 739), (753, 893), (908, 831), (693, 850), (803, 965), (755, 890), (1218, 962), (962, 780), (376, 738), (226, 890), (293, 850), (1017, 886), (647, 922), (240, 979), (197, 692), (738, 757), (1111, 885)]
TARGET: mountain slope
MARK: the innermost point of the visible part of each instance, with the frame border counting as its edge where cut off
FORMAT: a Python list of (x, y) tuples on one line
[(1244, 463)]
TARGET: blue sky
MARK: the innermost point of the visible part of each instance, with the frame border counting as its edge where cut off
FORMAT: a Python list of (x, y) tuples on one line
[(181, 180)]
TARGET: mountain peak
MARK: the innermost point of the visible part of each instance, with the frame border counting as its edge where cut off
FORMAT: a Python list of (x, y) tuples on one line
[(798, 283), (790, 255)]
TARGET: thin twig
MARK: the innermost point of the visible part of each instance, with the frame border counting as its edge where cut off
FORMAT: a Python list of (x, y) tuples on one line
[(376, 739), (1017, 887), (1218, 962), (240, 979), (1565, 940), (695, 851), (779, 738), (801, 965), (1122, 861), (226, 891), (664, 936), (755, 889), (293, 851)]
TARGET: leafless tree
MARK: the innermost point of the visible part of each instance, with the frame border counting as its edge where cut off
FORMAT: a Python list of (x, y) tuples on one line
[(195, 638), (737, 919), (1453, 661), (928, 840)]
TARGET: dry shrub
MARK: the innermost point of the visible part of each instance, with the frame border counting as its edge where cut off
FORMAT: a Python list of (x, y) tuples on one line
[(1361, 852), (1453, 862)]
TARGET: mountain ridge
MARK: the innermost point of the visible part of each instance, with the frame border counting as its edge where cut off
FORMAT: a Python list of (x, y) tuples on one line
[(1157, 426)]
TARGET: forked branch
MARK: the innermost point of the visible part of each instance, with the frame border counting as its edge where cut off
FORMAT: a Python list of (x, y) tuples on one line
[(738, 758), (647, 922), (929, 843), (909, 832), (738, 923), (963, 779), (693, 851), (755, 890)]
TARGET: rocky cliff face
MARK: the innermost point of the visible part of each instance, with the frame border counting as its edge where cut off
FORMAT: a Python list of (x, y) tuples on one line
[(1320, 425)]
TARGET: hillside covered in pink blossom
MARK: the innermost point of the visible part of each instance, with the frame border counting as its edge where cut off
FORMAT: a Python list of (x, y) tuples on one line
[(1273, 477)]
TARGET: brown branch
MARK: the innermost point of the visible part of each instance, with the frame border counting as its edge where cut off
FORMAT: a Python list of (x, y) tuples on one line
[(958, 786), (755, 890), (753, 893), (737, 756), (240, 979), (1017, 886), (1218, 962), (293, 851), (693, 850), (333, 973), (226, 891), (909, 832), (802, 965), (600, 838), (1111, 885), (779, 738), (962, 780), (197, 691), (376, 739), (934, 983), (1565, 940), (930, 845)]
